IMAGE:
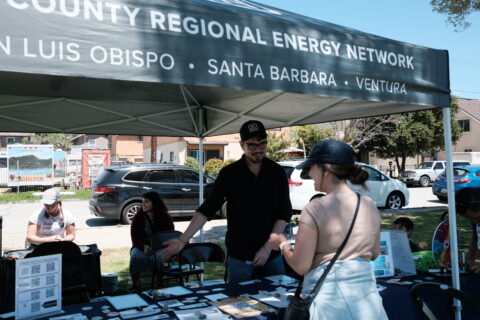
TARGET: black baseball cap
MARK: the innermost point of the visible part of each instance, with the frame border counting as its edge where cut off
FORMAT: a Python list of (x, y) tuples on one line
[(252, 128), (329, 151)]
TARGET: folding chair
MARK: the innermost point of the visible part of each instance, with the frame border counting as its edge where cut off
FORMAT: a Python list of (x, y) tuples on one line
[(72, 267), (432, 291), (161, 268), (195, 253)]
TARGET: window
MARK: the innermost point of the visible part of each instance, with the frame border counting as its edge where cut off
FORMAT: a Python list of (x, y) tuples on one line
[(213, 154), (135, 176), (468, 150), (11, 140), (172, 156), (374, 175), (163, 176), (439, 166), (188, 176), (464, 125), (3, 162), (140, 138), (92, 142)]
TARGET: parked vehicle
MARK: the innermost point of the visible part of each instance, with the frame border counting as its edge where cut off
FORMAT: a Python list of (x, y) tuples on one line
[(426, 172), (467, 176), (386, 192), (117, 191)]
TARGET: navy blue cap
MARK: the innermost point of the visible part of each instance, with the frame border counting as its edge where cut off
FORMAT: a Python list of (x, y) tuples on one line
[(329, 151)]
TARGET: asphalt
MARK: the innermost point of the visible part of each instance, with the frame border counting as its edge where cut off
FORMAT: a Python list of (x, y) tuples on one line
[(108, 233)]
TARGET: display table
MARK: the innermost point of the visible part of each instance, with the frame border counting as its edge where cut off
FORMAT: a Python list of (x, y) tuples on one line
[(397, 299)]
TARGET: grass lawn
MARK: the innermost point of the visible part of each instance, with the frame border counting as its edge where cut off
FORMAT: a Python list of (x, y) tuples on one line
[(14, 197), (117, 260)]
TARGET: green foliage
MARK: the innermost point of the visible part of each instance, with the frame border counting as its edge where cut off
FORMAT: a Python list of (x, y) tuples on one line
[(228, 161), (311, 134), (213, 166), (456, 11), (412, 134), (58, 140), (276, 143), (191, 162)]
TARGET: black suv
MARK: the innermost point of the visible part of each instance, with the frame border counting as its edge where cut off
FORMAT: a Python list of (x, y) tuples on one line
[(117, 191)]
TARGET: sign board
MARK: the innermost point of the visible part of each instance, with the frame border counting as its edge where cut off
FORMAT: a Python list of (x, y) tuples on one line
[(30, 165), (395, 254), (38, 286), (93, 162)]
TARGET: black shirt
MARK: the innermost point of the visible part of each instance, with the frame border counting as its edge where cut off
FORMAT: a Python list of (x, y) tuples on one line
[(254, 204)]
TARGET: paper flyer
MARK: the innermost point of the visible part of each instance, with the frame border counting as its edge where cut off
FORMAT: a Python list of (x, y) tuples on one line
[(383, 265), (38, 286)]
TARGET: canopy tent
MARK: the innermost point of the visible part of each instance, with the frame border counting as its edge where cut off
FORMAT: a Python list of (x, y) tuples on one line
[(199, 68)]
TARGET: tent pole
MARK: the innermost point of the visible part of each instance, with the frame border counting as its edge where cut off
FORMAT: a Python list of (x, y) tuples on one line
[(200, 161), (452, 219)]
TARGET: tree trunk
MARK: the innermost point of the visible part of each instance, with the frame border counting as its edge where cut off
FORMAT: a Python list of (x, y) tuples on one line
[(153, 149)]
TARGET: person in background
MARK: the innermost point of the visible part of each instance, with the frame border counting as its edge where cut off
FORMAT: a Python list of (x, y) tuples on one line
[(152, 217), (467, 203), (349, 290), (258, 203), (406, 225), (50, 223)]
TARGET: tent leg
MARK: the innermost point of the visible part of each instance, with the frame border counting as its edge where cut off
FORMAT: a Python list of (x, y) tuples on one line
[(200, 163), (452, 219)]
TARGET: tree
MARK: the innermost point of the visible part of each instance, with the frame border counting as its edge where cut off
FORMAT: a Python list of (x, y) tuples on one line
[(276, 143), (456, 11), (310, 134), (58, 140), (411, 134)]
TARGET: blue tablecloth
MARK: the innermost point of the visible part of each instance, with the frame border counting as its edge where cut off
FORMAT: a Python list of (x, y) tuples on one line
[(397, 299)]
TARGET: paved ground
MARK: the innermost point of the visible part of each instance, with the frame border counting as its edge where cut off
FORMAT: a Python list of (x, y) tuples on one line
[(107, 233)]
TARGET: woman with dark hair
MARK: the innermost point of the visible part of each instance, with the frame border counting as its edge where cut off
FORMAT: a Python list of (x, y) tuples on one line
[(349, 290), (152, 217)]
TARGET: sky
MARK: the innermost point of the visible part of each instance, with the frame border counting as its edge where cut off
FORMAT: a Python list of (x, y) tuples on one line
[(410, 21)]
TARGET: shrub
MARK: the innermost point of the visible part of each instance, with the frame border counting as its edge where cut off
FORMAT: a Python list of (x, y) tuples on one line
[(227, 162), (213, 166), (191, 162)]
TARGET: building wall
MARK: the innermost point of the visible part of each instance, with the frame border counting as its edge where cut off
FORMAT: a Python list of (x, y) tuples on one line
[(468, 140), (128, 148)]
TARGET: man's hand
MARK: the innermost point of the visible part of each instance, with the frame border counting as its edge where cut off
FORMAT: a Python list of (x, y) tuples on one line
[(261, 256), (474, 267), (173, 246), (275, 240), (147, 250)]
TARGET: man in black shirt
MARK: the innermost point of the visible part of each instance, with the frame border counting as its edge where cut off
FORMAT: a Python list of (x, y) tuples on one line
[(258, 203)]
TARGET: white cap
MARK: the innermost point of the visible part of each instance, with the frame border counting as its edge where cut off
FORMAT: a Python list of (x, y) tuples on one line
[(50, 196)]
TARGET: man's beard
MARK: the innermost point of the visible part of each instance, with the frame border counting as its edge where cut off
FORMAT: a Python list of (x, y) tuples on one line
[(256, 158)]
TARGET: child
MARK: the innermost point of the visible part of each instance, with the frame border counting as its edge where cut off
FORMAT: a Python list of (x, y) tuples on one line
[(406, 225)]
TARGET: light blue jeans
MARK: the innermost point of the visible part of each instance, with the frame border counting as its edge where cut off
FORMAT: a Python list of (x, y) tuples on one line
[(239, 270), (349, 292)]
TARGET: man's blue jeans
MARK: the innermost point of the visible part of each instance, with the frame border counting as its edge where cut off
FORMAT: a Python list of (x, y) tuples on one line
[(238, 270)]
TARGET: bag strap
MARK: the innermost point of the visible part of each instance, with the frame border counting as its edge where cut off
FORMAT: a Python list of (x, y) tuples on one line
[(319, 283)]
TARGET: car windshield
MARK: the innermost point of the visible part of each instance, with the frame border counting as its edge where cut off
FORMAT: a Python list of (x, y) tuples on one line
[(457, 173), (425, 165)]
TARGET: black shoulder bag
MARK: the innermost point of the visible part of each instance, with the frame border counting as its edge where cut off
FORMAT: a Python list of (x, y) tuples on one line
[(298, 308)]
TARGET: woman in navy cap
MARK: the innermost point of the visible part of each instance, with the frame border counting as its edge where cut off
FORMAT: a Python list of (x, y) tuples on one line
[(349, 290)]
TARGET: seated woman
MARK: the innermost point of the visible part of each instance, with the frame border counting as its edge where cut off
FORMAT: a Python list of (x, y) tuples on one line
[(349, 290), (152, 217), (50, 223)]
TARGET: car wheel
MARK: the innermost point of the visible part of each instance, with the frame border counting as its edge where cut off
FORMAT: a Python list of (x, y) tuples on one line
[(442, 198), (394, 201), (424, 181), (130, 211)]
